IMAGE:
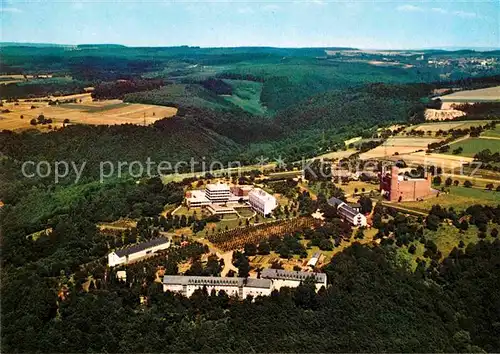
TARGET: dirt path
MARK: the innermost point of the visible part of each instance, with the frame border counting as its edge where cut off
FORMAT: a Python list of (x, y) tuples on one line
[(487, 180), (398, 207), (458, 140), (489, 137), (227, 256)]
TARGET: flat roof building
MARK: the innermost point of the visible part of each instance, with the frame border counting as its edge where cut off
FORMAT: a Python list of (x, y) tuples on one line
[(261, 201), (196, 199), (217, 193)]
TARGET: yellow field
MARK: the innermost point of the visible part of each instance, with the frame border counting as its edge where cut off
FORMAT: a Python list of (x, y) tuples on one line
[(399, 145), (486, 94), (434, 127), (447, 162), (85, 111)]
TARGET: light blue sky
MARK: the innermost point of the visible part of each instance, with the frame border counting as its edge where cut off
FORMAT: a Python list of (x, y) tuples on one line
[(363, 24)]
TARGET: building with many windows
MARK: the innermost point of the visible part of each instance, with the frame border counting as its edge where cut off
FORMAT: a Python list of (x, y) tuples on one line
[(218, 193), (241, 287), (137, 251), (281, 278), (271, 279), (261, 201), (348, 213)]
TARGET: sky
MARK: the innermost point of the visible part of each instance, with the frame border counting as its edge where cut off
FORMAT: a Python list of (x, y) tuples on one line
[(363, 24)]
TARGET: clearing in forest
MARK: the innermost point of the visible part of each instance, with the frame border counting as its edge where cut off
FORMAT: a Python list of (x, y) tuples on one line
[(490, 94), (18, 115)]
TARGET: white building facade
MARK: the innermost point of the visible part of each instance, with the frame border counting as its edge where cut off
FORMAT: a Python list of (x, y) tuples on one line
[(261, 201), (349, 214), (285, 278), (137, 251), (218, 193), (240, 287), (271, 279)]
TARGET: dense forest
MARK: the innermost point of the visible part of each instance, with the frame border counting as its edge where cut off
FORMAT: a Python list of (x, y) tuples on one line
[(57, 293)]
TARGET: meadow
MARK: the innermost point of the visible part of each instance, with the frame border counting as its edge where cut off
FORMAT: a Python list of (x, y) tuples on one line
[(459, 198), (246, 95), (472, 146), (492, 133)]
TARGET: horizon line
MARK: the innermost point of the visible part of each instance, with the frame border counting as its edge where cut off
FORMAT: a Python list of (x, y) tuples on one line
[(445, 48)]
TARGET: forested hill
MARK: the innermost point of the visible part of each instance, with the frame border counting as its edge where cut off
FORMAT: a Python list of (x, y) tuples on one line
[(373, 305), (226, 135)]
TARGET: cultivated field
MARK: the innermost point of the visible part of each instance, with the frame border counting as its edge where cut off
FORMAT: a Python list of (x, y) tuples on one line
[(447, 162), (398, 145), (482, 95), (472, 146), (434, 127), (85, 111)]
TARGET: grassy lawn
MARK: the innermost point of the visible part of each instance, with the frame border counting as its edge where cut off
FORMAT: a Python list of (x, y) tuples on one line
[(245, 212), (459, 198), (473, 145), (446, 238), (352, 185), (246, 94)]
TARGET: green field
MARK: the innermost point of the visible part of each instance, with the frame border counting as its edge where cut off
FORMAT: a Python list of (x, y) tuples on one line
[(446, 238), (246, 94), (473, 145), (93, 109), (459, 198), (494, 133)]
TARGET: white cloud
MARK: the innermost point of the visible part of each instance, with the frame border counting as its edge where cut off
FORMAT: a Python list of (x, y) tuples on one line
[(465, 14), (409, 8), (439, 10), (13, 10)]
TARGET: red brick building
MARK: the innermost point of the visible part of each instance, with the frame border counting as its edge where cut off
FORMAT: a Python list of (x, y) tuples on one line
[(400, 188)]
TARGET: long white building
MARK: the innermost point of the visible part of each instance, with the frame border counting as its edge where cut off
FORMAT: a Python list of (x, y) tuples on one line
[(348, 213), (261, 201), (137, 251), (286, 278), (241, 287), (271, 279)]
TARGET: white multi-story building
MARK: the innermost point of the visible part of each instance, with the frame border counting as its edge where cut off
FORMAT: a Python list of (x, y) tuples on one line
[(285, 278), (261, 201), (218, 193), (196, 199), (348, 213), (137, 251), (241, 287), (271, 279)]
